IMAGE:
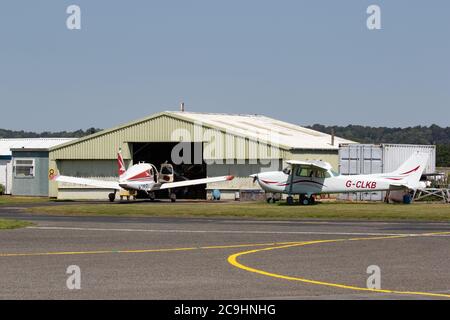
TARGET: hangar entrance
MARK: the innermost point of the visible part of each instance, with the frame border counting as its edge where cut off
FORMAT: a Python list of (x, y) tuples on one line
[(157, 153)]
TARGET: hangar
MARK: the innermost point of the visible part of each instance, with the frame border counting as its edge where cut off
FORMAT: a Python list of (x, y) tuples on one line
[(198, 144)]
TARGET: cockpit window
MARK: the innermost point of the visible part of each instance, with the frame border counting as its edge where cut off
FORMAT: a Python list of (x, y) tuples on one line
[(304, 172), (166, 170)]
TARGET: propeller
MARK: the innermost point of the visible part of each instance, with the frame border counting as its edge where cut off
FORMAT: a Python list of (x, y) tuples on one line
[(255, 177)]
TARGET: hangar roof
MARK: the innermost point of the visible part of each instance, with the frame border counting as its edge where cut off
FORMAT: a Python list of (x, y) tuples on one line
[(29, 143), (254, 127), (265, 129)]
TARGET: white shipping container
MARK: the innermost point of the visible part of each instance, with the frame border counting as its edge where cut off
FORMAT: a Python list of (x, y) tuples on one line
[(378, 158)]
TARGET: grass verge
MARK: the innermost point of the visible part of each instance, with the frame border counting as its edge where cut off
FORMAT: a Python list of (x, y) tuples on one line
[(261, 210), (13, 224), (12, 200)]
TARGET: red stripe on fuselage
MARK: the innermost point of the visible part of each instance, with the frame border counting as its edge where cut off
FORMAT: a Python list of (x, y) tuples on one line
[(413, 170), (269, 182)]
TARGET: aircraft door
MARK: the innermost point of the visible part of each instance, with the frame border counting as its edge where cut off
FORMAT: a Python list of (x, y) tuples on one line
[(166, 173)]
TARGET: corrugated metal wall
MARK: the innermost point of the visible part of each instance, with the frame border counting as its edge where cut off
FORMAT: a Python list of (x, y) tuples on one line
[(395, 154), (165, 129)]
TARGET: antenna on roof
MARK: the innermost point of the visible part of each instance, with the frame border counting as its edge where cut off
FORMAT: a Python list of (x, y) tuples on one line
[(182, 107), (332, 136)]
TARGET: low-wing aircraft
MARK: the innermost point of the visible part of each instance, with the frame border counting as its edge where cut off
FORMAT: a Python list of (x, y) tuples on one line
[(140, 177), (309, 178)]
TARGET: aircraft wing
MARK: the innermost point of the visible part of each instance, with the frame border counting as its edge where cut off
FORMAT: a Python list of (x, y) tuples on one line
[(313, 163), (101, 184), (170, 185)]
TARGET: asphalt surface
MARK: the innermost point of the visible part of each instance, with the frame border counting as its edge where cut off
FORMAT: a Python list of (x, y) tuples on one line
[(184, 258)]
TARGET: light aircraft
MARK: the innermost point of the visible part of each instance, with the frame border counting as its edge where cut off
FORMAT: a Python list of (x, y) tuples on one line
[(309, 178), (140, 177)]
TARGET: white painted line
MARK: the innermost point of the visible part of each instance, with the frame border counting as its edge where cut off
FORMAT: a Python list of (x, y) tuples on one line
[(223, 231), (356, 223)]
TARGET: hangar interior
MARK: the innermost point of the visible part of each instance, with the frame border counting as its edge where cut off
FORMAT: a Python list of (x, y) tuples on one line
[(229, 144), (158, 153)]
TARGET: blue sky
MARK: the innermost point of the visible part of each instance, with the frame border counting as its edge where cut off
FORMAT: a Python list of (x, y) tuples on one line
[(304, 62)]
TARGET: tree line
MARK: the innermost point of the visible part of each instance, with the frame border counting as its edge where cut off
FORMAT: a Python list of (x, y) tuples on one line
[(433, 134), (47, 134)]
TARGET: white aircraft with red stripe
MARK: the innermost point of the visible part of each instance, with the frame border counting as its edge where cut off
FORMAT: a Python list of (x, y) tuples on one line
[(140, 177), (309, 178)]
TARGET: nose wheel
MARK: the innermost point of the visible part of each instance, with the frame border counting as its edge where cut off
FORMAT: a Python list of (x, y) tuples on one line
[(305, 200)]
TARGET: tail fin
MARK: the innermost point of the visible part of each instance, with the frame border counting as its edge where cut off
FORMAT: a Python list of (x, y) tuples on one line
[(411, 170), (120, 163)]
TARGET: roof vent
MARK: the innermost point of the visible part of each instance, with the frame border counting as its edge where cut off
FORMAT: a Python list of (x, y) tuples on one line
[(182, 107)]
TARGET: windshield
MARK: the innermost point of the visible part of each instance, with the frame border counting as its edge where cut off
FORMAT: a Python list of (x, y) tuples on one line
[(334, 173)]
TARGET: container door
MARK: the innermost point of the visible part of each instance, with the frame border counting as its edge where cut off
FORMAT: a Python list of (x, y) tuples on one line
[(9, 177)]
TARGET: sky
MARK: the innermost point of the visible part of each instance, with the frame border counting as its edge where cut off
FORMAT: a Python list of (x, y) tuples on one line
[(301, 61)]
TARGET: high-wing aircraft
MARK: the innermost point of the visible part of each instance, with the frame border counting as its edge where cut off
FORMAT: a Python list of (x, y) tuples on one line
[(309, 178), (140, 177)]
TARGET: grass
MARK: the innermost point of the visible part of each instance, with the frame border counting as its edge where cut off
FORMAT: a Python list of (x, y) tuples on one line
[(12, 200), (13, 224), (260, 210)]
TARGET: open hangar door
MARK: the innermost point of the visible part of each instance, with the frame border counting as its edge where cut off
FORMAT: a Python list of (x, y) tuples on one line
[(158, 153)]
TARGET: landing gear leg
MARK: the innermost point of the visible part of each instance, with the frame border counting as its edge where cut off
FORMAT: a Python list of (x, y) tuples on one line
[(290, 200), (112, 196)]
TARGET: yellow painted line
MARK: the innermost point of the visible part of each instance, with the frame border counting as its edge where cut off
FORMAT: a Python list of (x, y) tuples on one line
[(60, 253), (233, 261)]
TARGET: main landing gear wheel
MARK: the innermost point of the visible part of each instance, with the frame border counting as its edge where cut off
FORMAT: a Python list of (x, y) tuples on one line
[(271, 200), (173, 197), (112, 196), (152, 196), (305, 201)]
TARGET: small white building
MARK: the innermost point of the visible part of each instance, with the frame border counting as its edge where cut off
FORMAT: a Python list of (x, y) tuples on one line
[(7, 163)]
